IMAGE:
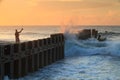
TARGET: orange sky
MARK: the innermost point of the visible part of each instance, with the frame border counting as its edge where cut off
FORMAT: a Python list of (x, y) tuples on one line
[(56, 12)]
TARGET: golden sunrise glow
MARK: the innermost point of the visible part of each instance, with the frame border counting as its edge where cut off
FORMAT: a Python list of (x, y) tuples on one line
[(54, 12)]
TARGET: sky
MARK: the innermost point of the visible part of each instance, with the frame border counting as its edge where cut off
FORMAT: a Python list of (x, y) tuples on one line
[(57, 12)]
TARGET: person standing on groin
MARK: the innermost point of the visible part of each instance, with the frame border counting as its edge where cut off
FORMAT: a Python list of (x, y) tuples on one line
[(17, 33)]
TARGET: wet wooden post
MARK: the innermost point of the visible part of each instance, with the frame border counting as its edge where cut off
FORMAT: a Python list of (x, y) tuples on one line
[(57, 47), (85, 34), (23, 66), (1, 71), (24, 52), (23, 59), (56, 53), (17, 69), (62, 47), (35, 62), (46, 52), (94, 33), (54, 41), (1, 63), (8, 64), (52, 49), (41, 54), (40, 60), (16, 61), (36, 56), (53, 55), (49, 51), (88, 32), (30, 68), (30, 57)]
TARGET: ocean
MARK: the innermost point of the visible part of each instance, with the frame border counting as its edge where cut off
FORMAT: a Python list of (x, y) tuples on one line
[(84, 59)]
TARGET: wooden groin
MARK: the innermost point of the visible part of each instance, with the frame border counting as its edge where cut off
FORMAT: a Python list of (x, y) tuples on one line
[(87, 33), (17, 60)]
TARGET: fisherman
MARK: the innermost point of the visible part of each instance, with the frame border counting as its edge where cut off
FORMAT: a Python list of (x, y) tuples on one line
[(17, 33)]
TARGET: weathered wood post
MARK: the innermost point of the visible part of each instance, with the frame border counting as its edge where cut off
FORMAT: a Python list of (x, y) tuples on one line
[(45, 52), (16, 61), (63, 43), (1, 71), (1, 62), (30, 57), (24, 58), (8, 63), (53, 49), (23, 66), (57, 47), (49, 51), (60, 47), (41, 54), (36, 55), (94, 33)]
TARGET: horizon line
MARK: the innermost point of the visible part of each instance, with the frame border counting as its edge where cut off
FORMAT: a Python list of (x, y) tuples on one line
[(53, 25)]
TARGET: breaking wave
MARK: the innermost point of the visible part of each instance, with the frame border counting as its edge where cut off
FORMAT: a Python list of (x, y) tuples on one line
[(75, 47)]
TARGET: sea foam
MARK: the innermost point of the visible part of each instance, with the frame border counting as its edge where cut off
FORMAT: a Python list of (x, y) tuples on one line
[(74, 46)]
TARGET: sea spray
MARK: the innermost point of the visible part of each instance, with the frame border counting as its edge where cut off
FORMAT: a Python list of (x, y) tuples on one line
[(6, 78), (75, 47)]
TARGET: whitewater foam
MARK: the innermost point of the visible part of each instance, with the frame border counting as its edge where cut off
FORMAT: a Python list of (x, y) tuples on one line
[(90, 47)]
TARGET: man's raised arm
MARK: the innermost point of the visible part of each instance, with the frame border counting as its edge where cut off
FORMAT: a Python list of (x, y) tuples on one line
[(21, 30)]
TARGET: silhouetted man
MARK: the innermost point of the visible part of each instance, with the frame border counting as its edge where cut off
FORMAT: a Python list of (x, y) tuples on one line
[(17, 33)]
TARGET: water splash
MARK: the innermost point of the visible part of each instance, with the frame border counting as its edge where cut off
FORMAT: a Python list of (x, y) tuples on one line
[(90, 47)]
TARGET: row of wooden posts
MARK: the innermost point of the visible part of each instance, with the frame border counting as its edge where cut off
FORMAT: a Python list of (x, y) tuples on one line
[(17, 60), (87, 33)]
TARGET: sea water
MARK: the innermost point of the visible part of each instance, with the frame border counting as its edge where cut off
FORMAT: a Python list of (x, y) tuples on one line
[(84, 59)]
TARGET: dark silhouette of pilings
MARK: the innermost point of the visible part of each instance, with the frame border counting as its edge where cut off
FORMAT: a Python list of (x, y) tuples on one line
[(17, 60), (94, 33), (87, 33)]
